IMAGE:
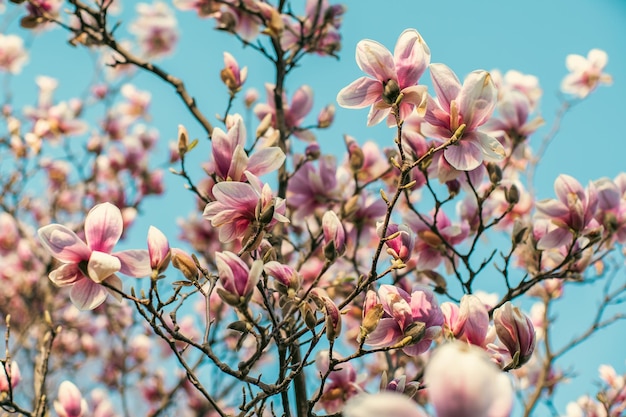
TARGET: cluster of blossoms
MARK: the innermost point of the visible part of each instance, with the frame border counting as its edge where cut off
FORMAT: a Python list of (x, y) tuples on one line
[(328, 255)]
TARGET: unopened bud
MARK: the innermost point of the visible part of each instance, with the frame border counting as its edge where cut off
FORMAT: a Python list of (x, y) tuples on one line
[(185, 264), (183, 140), (454, 187), (495, 173), (371, 320), (312, 151), (512, 195), (416, 331), (391, 91)]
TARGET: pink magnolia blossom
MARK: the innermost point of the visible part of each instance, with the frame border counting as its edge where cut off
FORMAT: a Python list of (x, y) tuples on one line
[(286, 277), (516, 331), (240, 207), (401, 246), (585, 73), (572, 211), (320, 24), (155, 29), (158, 250), (429, 247), (470, 104), (515, 81), (232, 75), (70, 402), (462, 381), (9, 370), (87, 265), (334, 235), (13, 56), (393, 77), (468, 322), (237, 278), (340, 386), (383, 404), (301, 105), (611, 213), (230, 160), (401, 313)]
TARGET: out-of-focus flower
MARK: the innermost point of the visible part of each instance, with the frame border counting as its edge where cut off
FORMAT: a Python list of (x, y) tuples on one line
[(13, 373), (340, 386), (85, 266), (394, 79), (13, 56), (463, 382), (585, 73), (516, 332), (470, 104), (155, 28), (383, 404), (232, 75), (70, 402)]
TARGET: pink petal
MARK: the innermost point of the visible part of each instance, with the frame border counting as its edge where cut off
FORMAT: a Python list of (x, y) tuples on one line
[(465, 156), (575, 62), (360, 93), (598, 58), (266, 160), (63, 243), (378, 112), (234, 194), (301, 104), (66, 274), (375, 60), (552, 208), (115, 282), (411, 56), (102, 265), (222, 152), (565, 185), (386, 334), (87, 295), (103, 227), (417, 95), (158, 247), (492, 149), (446, 84), (134, 263), (554, 239), (477, 99)]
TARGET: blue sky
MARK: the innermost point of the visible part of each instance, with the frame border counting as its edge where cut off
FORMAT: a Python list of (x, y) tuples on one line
[(532, 36)]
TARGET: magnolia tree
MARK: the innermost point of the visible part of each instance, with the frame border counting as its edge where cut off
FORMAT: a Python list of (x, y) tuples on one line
[(306, 284)]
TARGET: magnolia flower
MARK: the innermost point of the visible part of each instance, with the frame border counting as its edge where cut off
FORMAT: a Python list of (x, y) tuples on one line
[(463, 382), (301, 105), (70, 402), (383, 404), (158, 251), (232, 75), (394, 79), (13, 56), (155, 28), (239, 208), (403, 317), (230, 159), (470, 104), (585, 73), (334, 235), (340, 385), (469, 322), (572, 211), (237, 279), (11, 370), (87, 265), (516, 332)]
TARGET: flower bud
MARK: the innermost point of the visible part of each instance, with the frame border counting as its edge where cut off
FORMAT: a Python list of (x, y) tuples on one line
[(326, 116), (512, 194), (159, 251), (183, 140), (312, 151), (334, 236), (185, 264), (237, 279), (391, 91), (495, 173), (251, 96), (516, 331)]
